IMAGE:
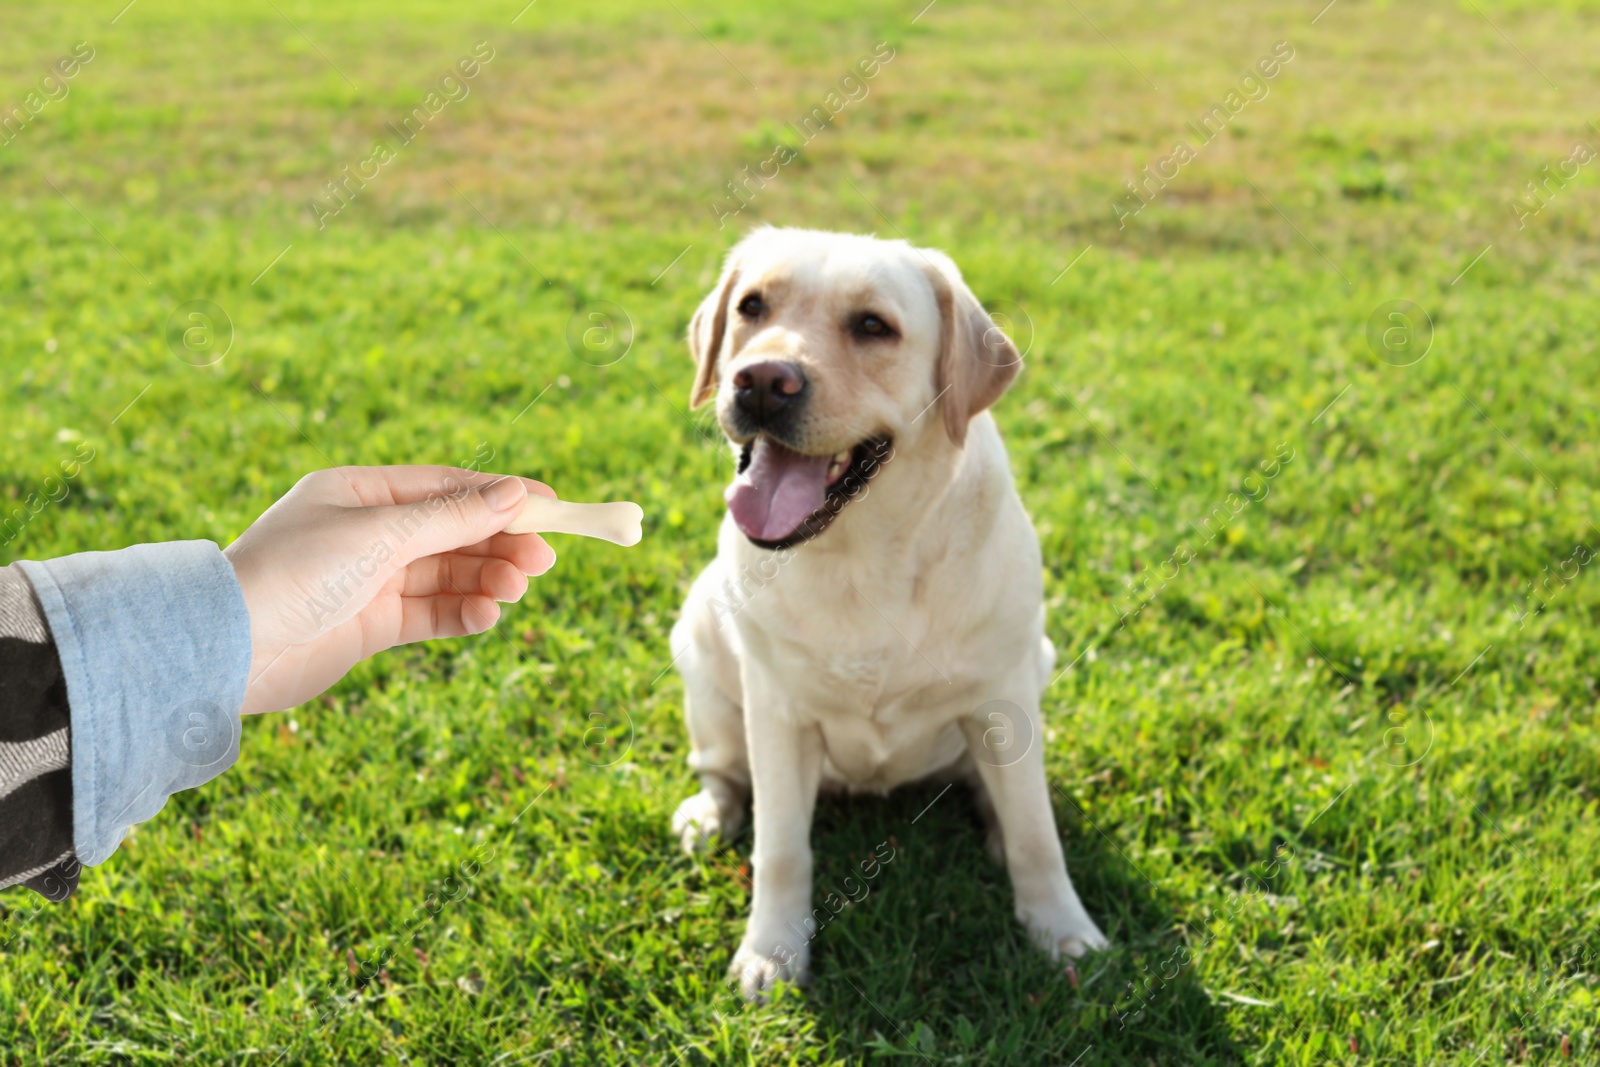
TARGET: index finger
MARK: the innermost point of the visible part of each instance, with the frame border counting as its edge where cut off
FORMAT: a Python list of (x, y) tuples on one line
[(411, 484)]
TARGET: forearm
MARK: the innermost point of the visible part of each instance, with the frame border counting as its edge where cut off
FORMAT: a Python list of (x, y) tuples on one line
[(151, 656)]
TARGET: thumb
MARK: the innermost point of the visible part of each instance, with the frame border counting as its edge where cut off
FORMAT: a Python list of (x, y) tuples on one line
[(447, 523)]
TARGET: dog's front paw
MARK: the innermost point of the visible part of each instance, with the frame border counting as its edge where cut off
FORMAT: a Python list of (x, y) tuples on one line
[(1066, 932), (699, 819), (759, 971)]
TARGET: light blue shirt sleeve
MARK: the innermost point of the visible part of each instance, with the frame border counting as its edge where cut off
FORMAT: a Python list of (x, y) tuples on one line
[(154, 641)]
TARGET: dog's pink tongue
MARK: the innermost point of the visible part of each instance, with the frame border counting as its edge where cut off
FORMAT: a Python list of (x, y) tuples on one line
[(774, 494)]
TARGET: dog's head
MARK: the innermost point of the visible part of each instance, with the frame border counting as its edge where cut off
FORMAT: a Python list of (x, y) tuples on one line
[(826, 353)]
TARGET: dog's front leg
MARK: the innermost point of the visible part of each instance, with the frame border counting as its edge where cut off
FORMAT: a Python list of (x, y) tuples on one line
[(785, 770), (1046, 902)]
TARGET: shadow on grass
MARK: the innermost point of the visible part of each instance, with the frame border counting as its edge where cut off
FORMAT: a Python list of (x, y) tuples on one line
[(930, 965)]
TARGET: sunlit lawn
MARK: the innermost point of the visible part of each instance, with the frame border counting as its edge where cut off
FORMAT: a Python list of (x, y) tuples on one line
[(1331, 791)]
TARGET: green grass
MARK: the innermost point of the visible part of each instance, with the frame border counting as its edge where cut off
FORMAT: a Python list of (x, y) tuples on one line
[(1325, 781)]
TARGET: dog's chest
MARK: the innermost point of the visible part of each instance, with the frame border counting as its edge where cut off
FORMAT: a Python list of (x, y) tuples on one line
[(882, 720), (880, 753), (851, 665), (851, 678)]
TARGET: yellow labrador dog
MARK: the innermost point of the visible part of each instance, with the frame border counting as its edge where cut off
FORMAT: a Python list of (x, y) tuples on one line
[(875, 612)]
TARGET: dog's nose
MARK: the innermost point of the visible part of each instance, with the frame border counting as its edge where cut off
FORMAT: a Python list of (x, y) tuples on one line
[(768, 387)]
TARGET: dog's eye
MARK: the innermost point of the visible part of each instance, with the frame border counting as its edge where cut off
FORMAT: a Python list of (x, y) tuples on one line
[(751, 306), (870, 325)]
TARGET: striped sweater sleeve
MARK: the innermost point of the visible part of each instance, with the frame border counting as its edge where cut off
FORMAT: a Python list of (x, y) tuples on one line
[(36, 843)]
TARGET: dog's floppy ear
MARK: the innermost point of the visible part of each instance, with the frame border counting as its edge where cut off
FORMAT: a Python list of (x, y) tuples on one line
[(706, 330), (977, 361)]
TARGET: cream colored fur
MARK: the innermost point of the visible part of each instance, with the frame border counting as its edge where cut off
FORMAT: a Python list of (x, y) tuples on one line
[(861, 659)]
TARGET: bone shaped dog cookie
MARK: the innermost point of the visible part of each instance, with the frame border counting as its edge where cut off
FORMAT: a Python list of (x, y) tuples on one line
[(617, 522)]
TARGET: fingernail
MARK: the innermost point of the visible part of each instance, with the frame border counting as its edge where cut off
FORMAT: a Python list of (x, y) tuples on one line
[(503, 494)]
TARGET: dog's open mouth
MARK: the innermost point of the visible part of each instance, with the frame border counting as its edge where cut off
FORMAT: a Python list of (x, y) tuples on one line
[(781, 497)]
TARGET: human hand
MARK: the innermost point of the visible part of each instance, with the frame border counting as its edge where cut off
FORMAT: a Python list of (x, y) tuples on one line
[(354, 560)]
